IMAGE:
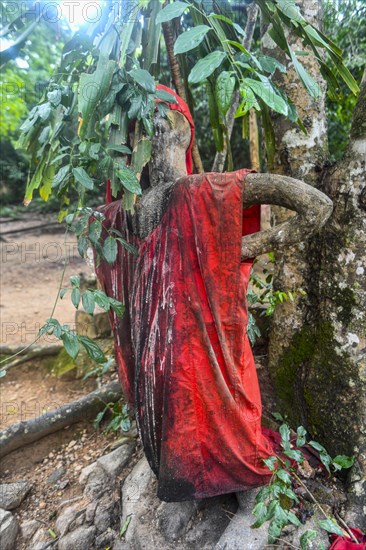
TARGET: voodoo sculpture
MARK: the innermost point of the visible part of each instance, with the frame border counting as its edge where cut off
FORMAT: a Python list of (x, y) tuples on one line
[(183, 355)]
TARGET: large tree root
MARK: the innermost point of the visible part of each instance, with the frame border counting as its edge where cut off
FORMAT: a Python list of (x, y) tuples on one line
[(23, 433)]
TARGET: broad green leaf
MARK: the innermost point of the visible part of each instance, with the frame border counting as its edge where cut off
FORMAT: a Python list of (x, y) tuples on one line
[(267, 94), (290, 9), (306, 538), (61, 176), (141, 155), (95, 231), (285, 433), (88, 302), (296, 455), (144, 79), (75, 297), (270, 463), (82, 177), (119, 149), (274, 531), (301, 436), (171, 11), (224, 91), (117, 306), (62, 292), (190, 39), (284, 476), (128, 179), (312, 87), (165, 96), (270, 64), (102, 300), (35, 182), (128, 246), (278, 416), (331, 526), (47, 180), (317, 446), (206, 66), (249, 101), (75, 281), (260, 511), (82, 245), (92, 349), (294, 519), (343, 461), (110, 249), (71, 343)]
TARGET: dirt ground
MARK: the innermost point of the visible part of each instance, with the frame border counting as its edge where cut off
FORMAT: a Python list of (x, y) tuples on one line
[(30, 273)]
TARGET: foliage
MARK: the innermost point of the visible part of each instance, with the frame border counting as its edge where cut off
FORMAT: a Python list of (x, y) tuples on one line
[(103, 79), (276, 502), (120, 417), (346, 20)]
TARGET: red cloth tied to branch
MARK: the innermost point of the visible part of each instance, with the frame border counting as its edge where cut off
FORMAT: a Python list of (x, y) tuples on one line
[(183, 354)]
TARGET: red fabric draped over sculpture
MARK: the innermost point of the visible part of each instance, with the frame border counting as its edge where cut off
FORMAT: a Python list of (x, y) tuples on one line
[(183, 354)]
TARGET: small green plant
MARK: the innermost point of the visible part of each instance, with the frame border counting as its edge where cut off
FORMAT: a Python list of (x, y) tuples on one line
[(262, 294), (120, 417), (276, 502)]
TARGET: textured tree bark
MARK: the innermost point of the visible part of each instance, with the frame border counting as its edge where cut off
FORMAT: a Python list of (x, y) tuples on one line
[(336, 381), (300, 156)]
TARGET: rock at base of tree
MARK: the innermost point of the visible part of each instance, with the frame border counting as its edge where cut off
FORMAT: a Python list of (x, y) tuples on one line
[(13, 494), (173, 518), (9, 528), (82, 537), (114, 462)]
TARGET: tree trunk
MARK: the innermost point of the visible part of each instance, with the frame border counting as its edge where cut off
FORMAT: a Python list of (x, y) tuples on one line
[(300, 156), (317, 346)]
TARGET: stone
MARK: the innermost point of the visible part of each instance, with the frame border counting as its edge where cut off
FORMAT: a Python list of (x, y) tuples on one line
[(97, 326), (28, 528), (86, 472), (173, 518), (239, 528), (9, 529), (106, 539), (106, 514), (98, 483), (69, 518), (13, 494), (56, 475), (114, 462), (82, 537), (41, 540)]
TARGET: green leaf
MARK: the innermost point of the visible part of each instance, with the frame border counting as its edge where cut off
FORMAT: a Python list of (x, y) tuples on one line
[(267, 94), (144, 79), (206, 66), (270, 64), (82, 245), (71, 343), (120, 149), (277, 415), (331, 526), (296, 455), (92, 349), (62, 292), (102, 300), (291, 10), (128, 179), (260, 511), (224, 91), (128, 246), (110, 249), (190, 39), (75, 297), (117, 306), (82, 177), (165, 96), (99, 417), (274, 531), (285, 434), (95, 231), (88, 302), (306, 538), (301, 436), (270, 463), (75, 281), (343, 461), (171, 11), (284, 476), (294, 519), (312, 87)]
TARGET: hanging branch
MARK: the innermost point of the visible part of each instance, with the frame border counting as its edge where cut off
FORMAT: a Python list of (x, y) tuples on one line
[(179, 86), (220, 157)]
